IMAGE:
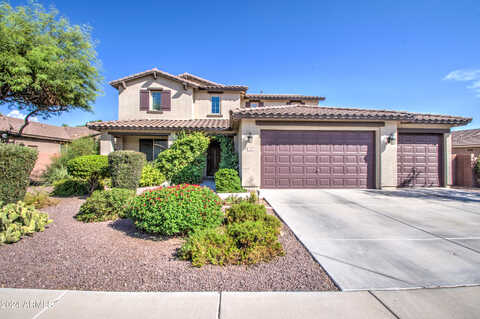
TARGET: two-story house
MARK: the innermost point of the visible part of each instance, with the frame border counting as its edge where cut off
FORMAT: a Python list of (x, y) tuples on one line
[(283, 140)]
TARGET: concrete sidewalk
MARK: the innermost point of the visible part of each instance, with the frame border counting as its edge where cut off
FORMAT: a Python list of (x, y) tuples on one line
[(420, 303)]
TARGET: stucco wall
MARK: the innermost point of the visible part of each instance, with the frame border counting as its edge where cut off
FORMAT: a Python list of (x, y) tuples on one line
[(129, 99), (282, 102), (203, 103), (47, 149), (387, 169)]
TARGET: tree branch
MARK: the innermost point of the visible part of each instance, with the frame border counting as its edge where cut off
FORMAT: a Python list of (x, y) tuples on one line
[(20, 131)]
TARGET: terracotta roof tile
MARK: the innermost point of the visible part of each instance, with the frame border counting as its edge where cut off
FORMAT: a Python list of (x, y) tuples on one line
[(321, 112), (226, 87), (283, 97), (199, 124), (466, 137), (199, 80), (117, 82), (41, 130)]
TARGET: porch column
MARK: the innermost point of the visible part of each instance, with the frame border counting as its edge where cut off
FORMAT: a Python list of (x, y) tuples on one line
[(171, 138), (250, 154), (106, 144), (447, 161)]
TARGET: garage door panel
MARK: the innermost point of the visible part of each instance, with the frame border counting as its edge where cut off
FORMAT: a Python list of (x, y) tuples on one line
[(318, 159), (419, 160)]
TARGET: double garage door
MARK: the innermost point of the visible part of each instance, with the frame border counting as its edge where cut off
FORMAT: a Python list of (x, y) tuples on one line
[(344, 159)]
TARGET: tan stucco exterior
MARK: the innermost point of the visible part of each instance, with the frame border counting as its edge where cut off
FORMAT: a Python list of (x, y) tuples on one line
[(202, 107)]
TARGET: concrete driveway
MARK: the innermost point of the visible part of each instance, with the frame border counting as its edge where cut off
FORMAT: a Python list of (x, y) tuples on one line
[(376, 239)]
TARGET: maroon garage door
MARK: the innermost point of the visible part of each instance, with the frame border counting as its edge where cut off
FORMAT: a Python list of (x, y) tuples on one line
[(318, 159), (419, 158)]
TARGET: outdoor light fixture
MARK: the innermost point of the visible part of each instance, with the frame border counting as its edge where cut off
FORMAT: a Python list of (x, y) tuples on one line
[(391, 138), (249, 138)]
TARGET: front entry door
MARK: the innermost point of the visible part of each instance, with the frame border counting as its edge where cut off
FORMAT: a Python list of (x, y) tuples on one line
[(213, 158)]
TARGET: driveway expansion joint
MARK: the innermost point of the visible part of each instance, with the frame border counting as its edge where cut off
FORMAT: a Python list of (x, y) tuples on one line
[(383, 304)]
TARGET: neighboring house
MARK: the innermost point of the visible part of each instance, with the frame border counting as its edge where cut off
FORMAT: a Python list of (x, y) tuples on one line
[(47, 139), (283, 140), (466, 151)]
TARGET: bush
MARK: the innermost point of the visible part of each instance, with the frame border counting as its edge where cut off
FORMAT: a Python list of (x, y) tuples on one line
[(18, 219), (176, 210), (252, 198), (192, 173), (228, 181), (71, 187), (91, 168), (57, 170), (39, 199), (16, 164), (151, 176), (126, 168), (228, 155), (187, 149), (106, 205), (477, 168), (249, 236)]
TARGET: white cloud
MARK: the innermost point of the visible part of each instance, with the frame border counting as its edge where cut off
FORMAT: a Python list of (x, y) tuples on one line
[(472, 76), (19, 115)]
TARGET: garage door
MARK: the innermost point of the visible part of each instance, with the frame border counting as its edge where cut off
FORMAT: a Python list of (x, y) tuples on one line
[(419, 160), (317, 159)]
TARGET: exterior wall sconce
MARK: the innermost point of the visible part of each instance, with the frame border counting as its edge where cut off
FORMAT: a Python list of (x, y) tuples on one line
[(391, 138), (249, 138)]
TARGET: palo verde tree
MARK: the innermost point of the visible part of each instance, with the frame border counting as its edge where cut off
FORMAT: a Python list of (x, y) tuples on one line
[(47, 65)]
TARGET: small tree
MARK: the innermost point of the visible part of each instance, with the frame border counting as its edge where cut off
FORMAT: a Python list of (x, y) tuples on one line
[(47, 66)]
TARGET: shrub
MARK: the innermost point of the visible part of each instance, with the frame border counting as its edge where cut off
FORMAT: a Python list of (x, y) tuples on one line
[(187, 149), (39, 199), (249, 236), (192, 173), (176, 210), (91, 168), (126, 168), (477, 168), (252, 198), (16, 164), (57, 170), (18, 219), (151, 176), (106, 205), (228, 181), (71, 187), (228, 155)]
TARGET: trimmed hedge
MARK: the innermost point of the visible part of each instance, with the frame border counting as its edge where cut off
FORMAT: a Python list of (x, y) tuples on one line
[(18, 219), (228, 181), (187, 149), (191, 174), (106, 205), (126, 168), (16, 164), (90, 168), (176, 210), (71, 187)]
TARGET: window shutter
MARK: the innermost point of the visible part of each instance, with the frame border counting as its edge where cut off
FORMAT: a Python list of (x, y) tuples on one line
[(144, 100), (247, 104), (166, 101)]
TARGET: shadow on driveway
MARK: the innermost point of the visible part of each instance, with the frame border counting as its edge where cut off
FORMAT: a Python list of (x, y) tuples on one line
[(442, 194)]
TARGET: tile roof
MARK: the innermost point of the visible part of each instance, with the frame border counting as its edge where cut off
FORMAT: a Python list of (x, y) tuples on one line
[(466, 137), (321, 112), (283, 97), (226, 87), (199, 124), (199, 80), (41, 130), (117, 82)]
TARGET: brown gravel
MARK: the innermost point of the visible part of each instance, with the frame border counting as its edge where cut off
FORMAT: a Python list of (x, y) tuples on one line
[(114, 256)]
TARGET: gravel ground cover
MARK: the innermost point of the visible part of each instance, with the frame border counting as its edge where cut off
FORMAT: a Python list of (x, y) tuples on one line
[(114, 256)]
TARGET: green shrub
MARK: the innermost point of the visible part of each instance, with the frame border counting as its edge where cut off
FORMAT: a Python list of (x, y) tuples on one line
[(477, 168), (176, 210), (16, 164), (18, 219), (71, 187), (192, 173), (91, 168), (228, 155), (228, 181), (151, 176), (187, 149), (39, 199), (249, 236), (126, 168), (252, 198), (57, 170), (106, 205)]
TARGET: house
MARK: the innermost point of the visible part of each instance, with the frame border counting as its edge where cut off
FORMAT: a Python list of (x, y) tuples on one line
[(466, 152), (283, 140), (47, 139)]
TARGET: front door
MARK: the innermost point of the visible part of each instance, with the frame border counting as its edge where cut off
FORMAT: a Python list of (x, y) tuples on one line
[(213, 158)]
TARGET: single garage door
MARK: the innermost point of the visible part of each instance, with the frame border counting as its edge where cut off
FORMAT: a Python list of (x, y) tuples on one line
[(318, 159), (419, 160)]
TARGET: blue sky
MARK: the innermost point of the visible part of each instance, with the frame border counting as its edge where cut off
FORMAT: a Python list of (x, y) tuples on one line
[(413, 55)]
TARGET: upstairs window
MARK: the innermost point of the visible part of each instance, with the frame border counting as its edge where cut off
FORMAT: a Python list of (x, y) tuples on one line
[(215, 105), (156, 100), (253, 104)]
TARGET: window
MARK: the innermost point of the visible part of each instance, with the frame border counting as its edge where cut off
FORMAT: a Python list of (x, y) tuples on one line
[(156, 100), (254, 104), (152, 147), (215, 105)]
